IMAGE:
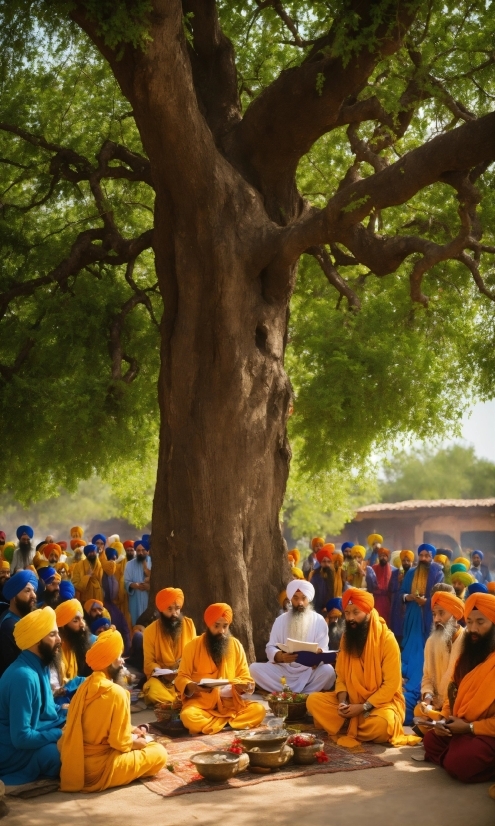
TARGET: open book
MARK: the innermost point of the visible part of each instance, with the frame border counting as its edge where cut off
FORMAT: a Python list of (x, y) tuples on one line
[(293, 646), (209, 683), (163, 672)]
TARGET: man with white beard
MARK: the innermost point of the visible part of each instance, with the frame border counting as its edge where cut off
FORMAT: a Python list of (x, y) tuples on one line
[(302, 623), (442, 649)]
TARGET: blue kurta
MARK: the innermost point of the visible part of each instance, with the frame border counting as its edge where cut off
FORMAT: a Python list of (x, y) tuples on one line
[(417, 627), (138, 600), (30, 722)]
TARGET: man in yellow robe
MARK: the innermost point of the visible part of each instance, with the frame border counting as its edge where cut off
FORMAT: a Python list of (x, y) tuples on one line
[(75, 638), (164, 641), (87, 575), (368, 692), (99, 748), (216, 655)]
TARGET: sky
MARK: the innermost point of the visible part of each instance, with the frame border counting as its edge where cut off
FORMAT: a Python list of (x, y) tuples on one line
[(478, 429)]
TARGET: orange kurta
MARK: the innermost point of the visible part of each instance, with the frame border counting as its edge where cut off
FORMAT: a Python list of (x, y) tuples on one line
[(475, 700), (208, 713), (96, 744), (374, 677), (160, 651)]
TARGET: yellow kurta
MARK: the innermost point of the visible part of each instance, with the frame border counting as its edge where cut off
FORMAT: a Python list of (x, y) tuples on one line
[(69, 662), (374, 677), (95, 747), (160, 651), (208, 713), (87, 580)]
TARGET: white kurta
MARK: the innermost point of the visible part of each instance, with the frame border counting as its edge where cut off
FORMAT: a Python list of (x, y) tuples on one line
[(300, 678)]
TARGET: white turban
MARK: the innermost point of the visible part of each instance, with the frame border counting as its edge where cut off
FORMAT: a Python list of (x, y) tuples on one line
[(300, 585)]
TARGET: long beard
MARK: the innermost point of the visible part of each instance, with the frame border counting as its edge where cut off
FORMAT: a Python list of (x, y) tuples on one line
[(79, 642), (25, 549), (117, 675), (474, 653), (354, 639), (445, 633), (48, 655), (299, 623), (172, 626), (51, 598), (23, 607), (217, 645)]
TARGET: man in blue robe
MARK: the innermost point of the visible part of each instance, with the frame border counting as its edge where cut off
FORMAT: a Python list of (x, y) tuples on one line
[(20, 592), (137, 580), (478, 569), (30, 722), (416, 594)]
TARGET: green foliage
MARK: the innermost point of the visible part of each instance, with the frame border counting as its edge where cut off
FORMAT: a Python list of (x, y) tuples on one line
[(453, 472)]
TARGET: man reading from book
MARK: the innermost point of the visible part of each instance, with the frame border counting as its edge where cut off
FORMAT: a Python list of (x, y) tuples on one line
[(214, 678), (301, 624)]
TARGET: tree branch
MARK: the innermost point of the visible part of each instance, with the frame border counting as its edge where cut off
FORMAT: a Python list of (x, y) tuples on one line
[(334, 277)]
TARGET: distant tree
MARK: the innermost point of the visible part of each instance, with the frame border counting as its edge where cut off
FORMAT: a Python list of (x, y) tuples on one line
[(450, 473)]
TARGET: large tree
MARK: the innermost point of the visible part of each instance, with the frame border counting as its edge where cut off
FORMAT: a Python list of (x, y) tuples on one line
[(236, 104)]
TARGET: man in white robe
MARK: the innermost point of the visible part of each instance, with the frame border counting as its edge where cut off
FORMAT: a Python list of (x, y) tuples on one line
[(299, 623)]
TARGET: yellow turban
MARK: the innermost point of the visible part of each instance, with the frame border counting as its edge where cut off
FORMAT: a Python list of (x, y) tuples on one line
[(362, 599), (4, 565), (440, 558), (117, 546), (89, 604), (449, 602), (167, 596), (297, 573), (62, 566), (374, 537), (406, 555), (107, 648), (461, 560), (485, 603), (34, 626), (76, 532), (219, 610), (66, 611), (358, 550), (463, 577)]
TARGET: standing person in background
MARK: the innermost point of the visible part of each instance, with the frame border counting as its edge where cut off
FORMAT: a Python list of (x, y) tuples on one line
[(374, 545), (136, 579), (478, 569), (323, 579), (24, 553), (397, 604), (383, 573), (359, 573), (4, 577), (309, 563), (346, 551)]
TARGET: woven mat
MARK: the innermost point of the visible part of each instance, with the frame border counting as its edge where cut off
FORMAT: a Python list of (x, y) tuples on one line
[(27, 790), (181, 777)]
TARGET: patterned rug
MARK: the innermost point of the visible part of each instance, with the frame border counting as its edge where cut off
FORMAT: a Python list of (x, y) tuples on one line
[(181, 777)]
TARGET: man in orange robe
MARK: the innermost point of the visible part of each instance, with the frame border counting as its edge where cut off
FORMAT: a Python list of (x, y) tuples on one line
[(368, 691), (99, 748), (465, 744), (163, 642), (216, 655)]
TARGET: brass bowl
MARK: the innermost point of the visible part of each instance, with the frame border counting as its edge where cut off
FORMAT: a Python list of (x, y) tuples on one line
[(270, 759), (216, 766), (262, 739), (305, 755), (297, 711)]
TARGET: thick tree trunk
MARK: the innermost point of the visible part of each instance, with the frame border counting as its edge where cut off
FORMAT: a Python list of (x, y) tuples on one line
[(224, 401)]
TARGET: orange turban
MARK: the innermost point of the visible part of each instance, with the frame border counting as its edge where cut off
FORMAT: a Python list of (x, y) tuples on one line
[(449, 602), (77, 543), (167, 596), (358, 550), (362, 599), (406, 555), (66, 611), (89, 604), (325, 552), (31, 629), (317, 540), (294, 556), (384, 550), (52, 548), (76, 532), (219, 610), (4, 565), (491, 587), (107, 648), (281, 598), (485, 603), (338, 556)]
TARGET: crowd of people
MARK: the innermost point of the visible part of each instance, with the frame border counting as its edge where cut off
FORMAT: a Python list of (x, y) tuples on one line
[(395, 641)]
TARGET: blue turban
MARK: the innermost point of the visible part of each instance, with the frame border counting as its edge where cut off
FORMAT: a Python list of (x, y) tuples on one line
[(426, 547), (476, 588), (46, 573), (446, 552), (146, 536), (24, 529), (17, 583), (142, 542), (89, 548), (480, 554), (347, 545), (336, 602), (111, 554), (99, 623), (99, 536), (67, 590)]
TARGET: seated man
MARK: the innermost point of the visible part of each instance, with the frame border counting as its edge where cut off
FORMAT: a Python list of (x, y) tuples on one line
[(164, 642), (368, 692), (97, 748), (465, 744), (442, 649), (216, 655), (20, 592), (30, 723), (75, 639), (300, 623), (50, 582), (94, 609)]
